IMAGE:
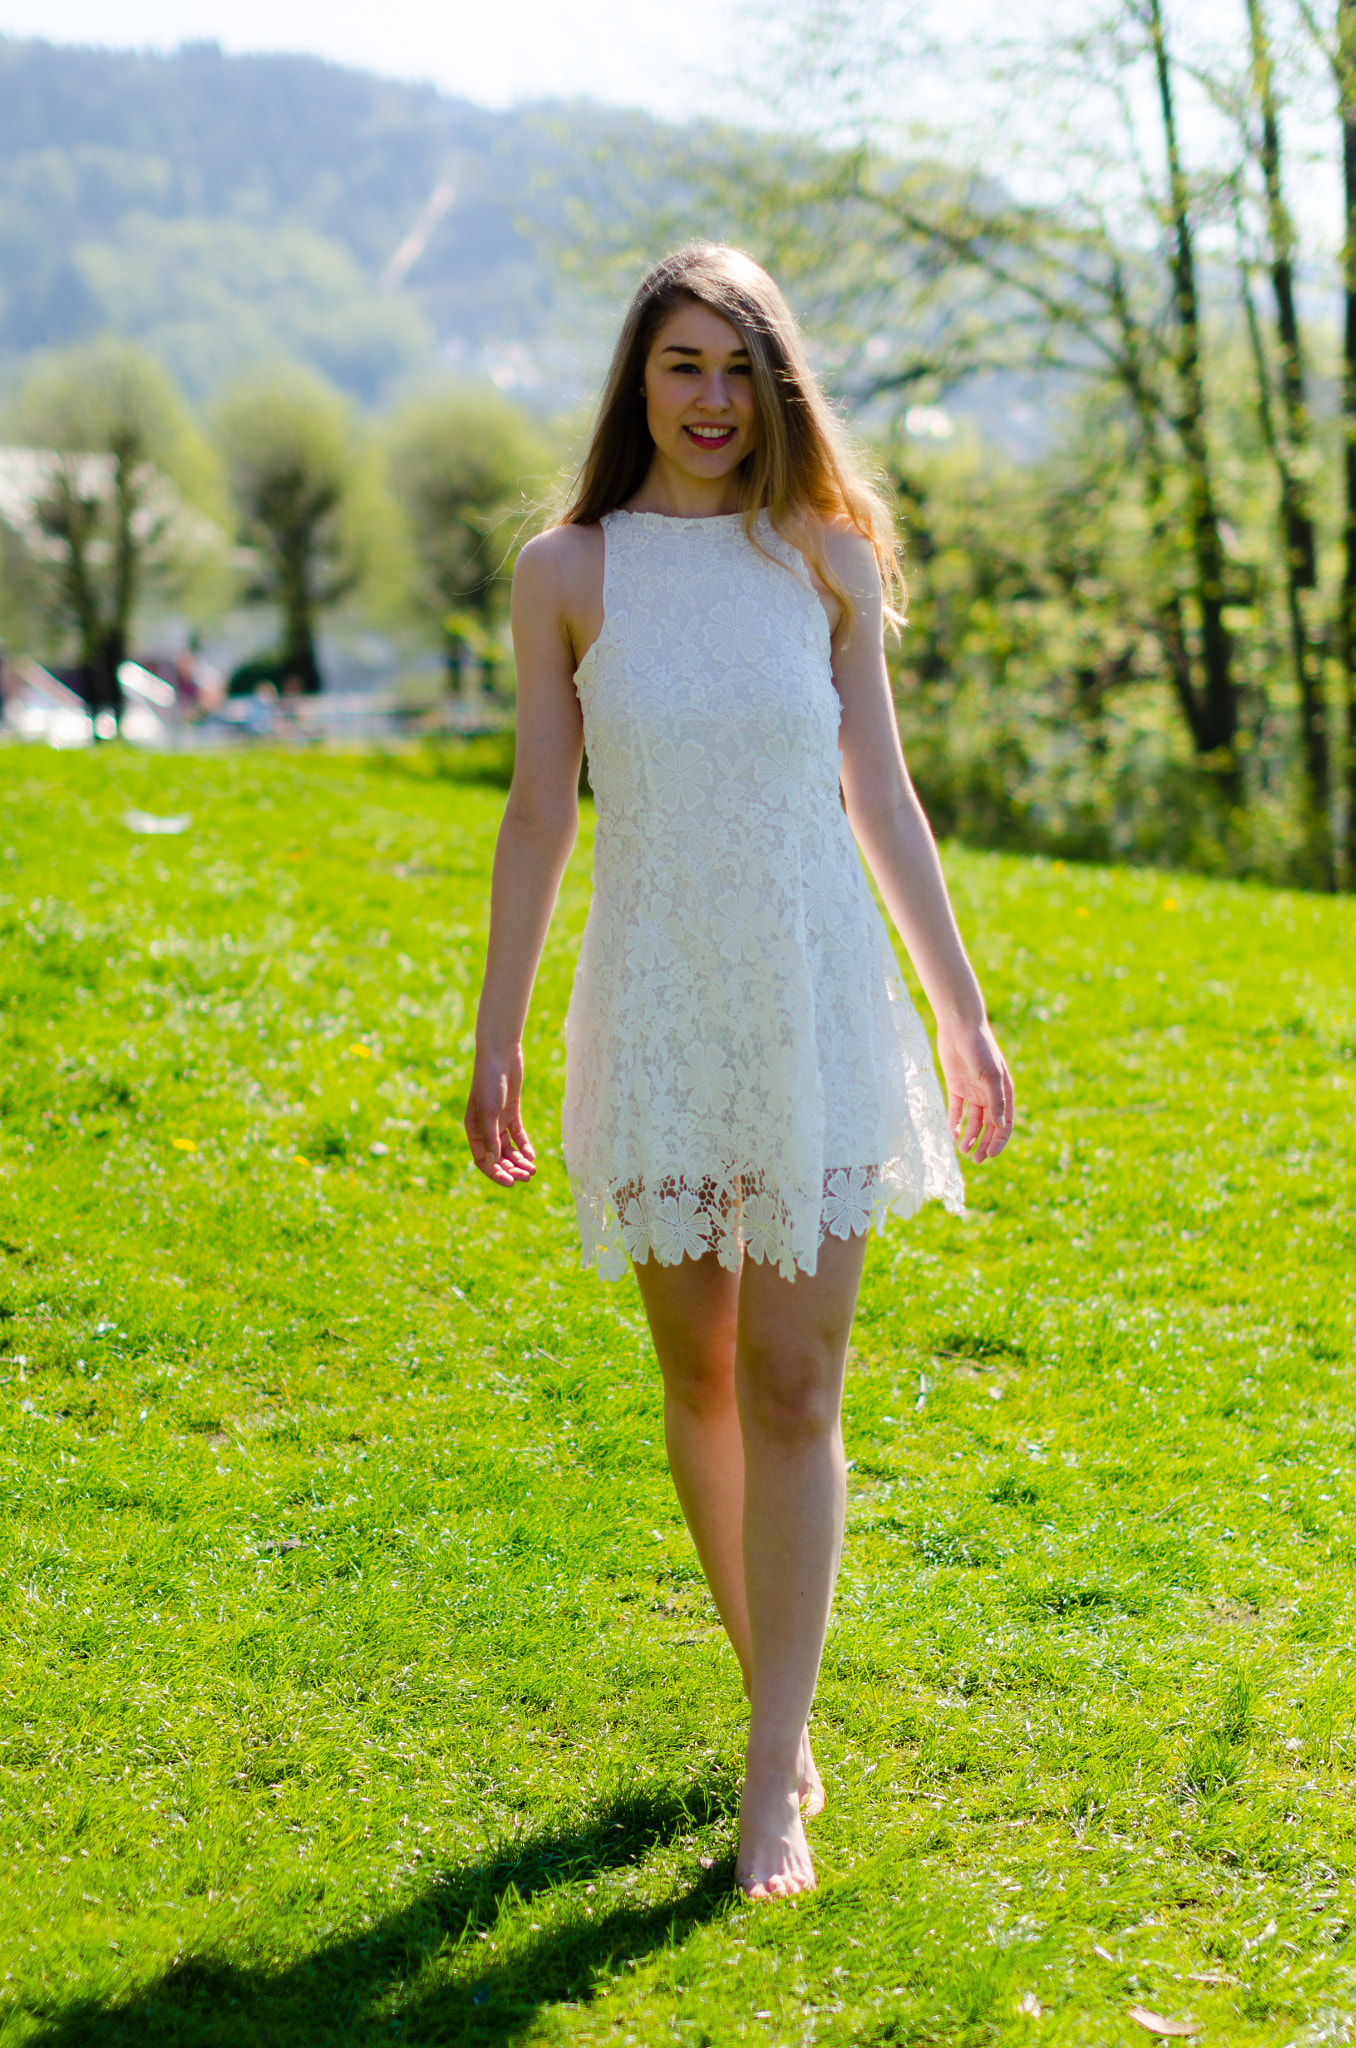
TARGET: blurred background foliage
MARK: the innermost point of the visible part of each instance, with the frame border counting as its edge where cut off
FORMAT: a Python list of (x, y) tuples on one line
[(112, 499), (471, 473), (1087, 315)]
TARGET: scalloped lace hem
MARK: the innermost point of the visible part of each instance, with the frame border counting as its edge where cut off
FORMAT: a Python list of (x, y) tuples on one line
[(681, 1217)]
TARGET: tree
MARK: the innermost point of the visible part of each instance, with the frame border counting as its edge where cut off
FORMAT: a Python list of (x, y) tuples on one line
[(1218, 720), (108, 489), (1036, 216), (466, 468), (1282, 405), (1075, 260), (291, 461), (1346, 86), (1336, 39)]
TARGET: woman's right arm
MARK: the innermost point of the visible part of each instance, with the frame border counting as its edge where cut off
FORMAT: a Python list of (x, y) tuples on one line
[(535, 837)]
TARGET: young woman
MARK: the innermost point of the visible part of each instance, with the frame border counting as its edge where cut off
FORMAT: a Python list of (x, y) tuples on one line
[(748, 1086)]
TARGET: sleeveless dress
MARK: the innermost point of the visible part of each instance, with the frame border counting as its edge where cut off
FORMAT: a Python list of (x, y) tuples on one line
[(745, 1072)]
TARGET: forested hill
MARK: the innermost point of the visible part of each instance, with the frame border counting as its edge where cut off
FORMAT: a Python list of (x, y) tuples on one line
[(223, 208)]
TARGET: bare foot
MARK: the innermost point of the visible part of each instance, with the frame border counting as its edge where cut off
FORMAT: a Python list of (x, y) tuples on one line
[(774, 1859), (811, 1786)]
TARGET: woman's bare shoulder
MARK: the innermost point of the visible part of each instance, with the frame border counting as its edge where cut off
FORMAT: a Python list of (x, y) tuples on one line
[(851, 556), (564, 559)]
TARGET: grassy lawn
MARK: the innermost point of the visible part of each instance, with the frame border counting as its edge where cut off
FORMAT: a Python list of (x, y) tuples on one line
[(358, 1681)]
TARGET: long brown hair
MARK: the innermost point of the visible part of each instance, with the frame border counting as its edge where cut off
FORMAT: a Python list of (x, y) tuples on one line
[(802, 469)]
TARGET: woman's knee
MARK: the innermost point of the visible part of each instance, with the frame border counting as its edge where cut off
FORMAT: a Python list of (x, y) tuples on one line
[(790, 1389), (699, 1377)]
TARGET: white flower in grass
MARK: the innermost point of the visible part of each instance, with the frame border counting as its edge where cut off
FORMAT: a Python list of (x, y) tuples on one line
[(635, 1228), (737, 923), (707, 1079), (682, 775), (762, 1227), (848, 1201), (779, 770), (648, 943), (679, 1229)]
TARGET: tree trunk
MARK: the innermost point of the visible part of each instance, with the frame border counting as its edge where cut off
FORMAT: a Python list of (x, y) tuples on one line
[(73, 520), (1346, 609), (1289, 450), (297, 657), (1168, 612), (1219, 709), (126, 563)]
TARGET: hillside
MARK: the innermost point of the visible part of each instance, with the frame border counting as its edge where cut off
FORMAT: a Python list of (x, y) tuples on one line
[(222, 209)]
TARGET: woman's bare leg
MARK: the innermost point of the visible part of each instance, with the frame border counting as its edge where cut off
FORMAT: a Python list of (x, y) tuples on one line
[(791, 1351), (693, 1311)]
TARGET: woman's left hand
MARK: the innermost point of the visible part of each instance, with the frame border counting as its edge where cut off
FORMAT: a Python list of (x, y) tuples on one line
[(979, 1098)]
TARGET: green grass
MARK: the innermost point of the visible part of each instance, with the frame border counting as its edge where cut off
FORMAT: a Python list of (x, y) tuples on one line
[(358, 1681)]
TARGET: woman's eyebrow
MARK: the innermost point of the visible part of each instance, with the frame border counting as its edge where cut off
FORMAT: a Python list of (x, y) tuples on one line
[(682, 348)]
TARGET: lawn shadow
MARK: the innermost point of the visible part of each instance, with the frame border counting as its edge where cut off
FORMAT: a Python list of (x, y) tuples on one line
[(367, 1986)]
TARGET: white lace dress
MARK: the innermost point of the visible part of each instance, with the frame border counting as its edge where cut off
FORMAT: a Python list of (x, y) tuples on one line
[(744, 1069)]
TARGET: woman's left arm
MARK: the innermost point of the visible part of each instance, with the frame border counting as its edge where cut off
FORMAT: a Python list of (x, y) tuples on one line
[(889, 825)]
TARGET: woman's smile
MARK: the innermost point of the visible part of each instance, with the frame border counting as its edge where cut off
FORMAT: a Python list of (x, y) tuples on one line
[(711, 437)]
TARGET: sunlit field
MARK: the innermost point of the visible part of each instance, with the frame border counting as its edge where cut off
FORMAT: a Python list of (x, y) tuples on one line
[(359, 1684)]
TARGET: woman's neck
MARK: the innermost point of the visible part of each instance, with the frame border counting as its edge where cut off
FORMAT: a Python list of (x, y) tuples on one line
[(674, 494)]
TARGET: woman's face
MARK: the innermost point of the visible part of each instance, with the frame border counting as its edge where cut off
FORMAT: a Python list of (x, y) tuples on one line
[(699, 393)]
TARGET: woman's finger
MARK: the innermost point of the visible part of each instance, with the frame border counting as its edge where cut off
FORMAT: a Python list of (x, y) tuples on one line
[(1005, 1109), (992, 1139), (970, 1141), (1001, 1119), (482, 1131), (522, 1144), (983, 1125)]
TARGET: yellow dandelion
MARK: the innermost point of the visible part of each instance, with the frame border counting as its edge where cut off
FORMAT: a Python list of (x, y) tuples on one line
[(364, 1052), (1082, 911), (184, 1144), (1058, 867), (300, 1159), (1170, 903)]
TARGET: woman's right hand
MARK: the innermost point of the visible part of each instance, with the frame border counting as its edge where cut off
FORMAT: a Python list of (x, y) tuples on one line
[(499, 1145), (979, 1092)]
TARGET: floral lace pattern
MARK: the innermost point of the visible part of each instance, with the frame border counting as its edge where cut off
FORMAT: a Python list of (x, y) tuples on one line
[(745, 1072)]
